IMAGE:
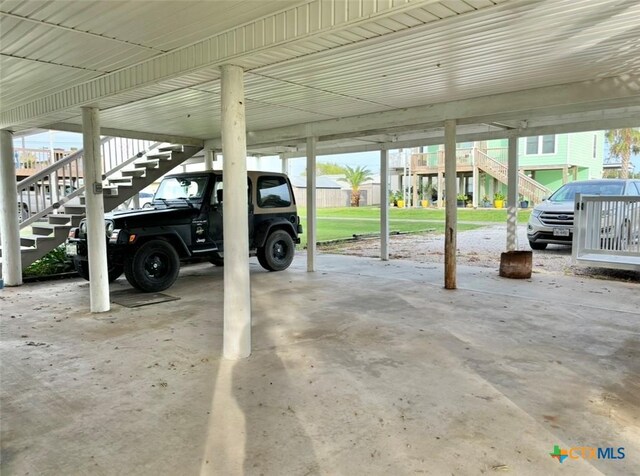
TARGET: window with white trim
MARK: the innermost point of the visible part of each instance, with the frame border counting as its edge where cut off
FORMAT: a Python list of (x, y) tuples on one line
[(537, 145)]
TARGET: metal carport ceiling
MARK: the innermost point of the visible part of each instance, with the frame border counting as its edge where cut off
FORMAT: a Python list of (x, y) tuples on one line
[(153, 66)]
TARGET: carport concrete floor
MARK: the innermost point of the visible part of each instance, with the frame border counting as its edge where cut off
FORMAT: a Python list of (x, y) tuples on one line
[(360, 368)]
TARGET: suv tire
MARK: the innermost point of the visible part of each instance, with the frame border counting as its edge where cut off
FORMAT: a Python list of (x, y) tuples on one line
[(277, 252), (153, 267), (537, 246), (82, 268)]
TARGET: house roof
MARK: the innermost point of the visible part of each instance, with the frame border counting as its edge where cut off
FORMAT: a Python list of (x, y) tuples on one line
[(321, 182)]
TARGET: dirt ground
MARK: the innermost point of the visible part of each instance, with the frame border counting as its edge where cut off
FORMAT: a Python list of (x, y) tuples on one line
[(479, 247)]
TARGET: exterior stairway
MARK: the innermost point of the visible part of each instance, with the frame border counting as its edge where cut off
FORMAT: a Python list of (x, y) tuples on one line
[(527, 187), (131, 165)]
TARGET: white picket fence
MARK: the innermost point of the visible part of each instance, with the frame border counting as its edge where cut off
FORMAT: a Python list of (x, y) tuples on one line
[(607, 231)]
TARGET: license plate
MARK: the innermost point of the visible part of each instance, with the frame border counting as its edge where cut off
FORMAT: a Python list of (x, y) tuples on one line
[(71, 249), (561, 232)]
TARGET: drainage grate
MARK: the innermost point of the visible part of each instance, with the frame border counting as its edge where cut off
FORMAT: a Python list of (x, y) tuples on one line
[(134, 298)]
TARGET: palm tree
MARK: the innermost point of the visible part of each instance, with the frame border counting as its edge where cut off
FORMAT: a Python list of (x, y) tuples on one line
[(356, 177), (623, 143)]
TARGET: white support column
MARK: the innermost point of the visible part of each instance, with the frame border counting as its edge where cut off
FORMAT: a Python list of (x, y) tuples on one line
[(237, 290), (451, 210), (92, 169), (284, 164), (384, 205), (476, 187), (208, 159), (512, 195), (135, 200), (440, 185), (311, 203), (9, 221)]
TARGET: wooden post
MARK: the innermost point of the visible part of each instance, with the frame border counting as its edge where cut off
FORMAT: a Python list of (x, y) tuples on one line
[(451, 218)]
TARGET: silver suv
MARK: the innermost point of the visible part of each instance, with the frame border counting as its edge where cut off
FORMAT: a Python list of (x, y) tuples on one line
[(552, 220)]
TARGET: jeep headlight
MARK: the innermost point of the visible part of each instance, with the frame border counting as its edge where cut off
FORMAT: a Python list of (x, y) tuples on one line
[(83, 227), (536, 213), (108, 228)]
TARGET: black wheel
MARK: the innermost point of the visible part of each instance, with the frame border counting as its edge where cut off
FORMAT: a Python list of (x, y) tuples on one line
[(623, 239), (23, 212), (82, 268), (217, 260), (153, 267), (537, 246), (277, 253)]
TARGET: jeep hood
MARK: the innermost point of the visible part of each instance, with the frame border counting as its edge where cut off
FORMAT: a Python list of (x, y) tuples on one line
[(152, 216)]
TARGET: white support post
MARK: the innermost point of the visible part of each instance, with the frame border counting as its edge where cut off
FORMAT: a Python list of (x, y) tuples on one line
[(135, 200), (384, 205), (9, 221), (476, 187), (451, 210), (208, 159), (440, 185), (512, 195), (476, 174), (92, 167), (311, 203), (237, 284), (284, 164)]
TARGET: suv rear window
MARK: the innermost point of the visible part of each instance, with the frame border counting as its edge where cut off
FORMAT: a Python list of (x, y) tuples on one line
[(273, 192)]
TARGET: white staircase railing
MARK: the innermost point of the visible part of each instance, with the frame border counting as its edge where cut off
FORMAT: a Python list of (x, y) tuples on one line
[(527, 187), (51, 187), (607, 231)]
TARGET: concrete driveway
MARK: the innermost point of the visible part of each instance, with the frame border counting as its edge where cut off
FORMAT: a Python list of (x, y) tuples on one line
[(363, 367)]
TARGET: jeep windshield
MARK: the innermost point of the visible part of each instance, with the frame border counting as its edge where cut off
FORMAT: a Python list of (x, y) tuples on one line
[(567, 193), (181, 191)]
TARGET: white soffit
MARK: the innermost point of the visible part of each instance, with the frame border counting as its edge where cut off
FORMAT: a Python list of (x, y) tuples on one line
[(363, 62)]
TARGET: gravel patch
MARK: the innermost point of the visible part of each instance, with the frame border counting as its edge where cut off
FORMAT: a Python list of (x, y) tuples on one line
[(479, 247)]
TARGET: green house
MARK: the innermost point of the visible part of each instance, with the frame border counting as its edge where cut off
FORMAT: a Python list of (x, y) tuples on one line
[(545, 163)]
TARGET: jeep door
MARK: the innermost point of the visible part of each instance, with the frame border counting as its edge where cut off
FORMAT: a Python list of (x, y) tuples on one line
[(216, 212)]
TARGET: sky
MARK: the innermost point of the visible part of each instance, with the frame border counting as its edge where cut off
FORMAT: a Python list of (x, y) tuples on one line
[(371, 160)]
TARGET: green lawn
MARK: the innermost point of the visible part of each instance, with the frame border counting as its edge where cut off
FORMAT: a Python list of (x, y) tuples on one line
[(488, 215), (339, 223)]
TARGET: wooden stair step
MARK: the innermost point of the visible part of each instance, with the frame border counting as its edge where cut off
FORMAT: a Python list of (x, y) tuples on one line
[(172, 148), (147, 164), (134, 173), (164, 156)]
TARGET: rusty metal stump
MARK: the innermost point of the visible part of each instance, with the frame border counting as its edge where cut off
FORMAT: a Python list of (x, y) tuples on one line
[(516, 264)]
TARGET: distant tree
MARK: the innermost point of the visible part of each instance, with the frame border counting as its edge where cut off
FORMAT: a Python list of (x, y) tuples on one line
[(623, 143), (356, 177), (328, 168)]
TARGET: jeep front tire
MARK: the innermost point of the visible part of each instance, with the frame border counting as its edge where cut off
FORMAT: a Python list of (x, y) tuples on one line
[(277, 252), (153, 267), (82, 268)]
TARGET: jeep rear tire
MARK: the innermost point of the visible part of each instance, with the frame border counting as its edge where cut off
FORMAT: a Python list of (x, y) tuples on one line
[(277, 252), (216, 260), (82, 268), (153, 267)]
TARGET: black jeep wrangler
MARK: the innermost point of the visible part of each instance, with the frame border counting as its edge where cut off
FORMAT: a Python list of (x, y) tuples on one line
[(185, 223)]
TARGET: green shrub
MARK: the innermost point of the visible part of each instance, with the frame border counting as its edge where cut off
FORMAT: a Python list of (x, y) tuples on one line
[(54, 262)]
